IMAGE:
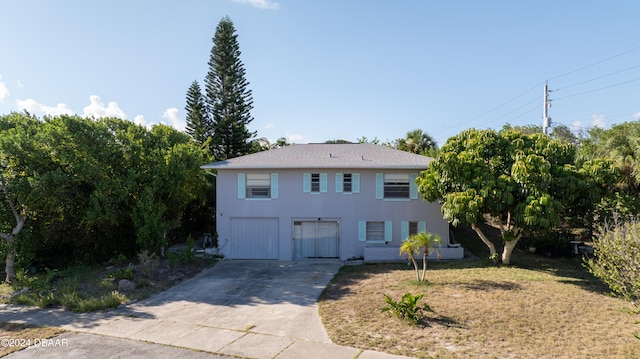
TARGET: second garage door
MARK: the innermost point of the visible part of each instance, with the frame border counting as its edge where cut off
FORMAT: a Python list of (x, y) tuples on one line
[(254, 238)]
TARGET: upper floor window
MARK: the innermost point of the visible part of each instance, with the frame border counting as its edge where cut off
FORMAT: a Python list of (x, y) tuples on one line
[(314, 182), (347, 182), (258, 185), (396, 185)]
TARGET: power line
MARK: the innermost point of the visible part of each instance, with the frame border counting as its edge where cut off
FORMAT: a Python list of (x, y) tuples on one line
[(595, 63), (598, 89), (516, 109), (508, 102), (597, 78), (563, 97)]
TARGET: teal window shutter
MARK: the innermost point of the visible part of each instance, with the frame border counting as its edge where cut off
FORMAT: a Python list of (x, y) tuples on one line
[(242, 193), (355, 183), (323, 182), (362, 231), (274, 185), (404, 230), (388, 234), (339, 182), (413, 187), (306, 182), (422, 227), (379, 185)]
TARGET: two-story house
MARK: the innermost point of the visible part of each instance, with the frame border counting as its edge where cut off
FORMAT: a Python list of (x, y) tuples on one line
[(323, 201)]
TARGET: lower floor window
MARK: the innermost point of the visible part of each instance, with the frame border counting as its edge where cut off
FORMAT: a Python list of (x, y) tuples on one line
[(375, 231)]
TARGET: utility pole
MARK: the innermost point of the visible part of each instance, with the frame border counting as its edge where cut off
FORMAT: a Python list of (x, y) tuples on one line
[(546, 120)]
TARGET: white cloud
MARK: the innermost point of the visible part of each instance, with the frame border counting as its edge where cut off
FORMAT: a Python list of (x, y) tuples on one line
[(576, 125), (171, 115), (296, 138), (597, 120), (33, 107), (97, 109), (4, 91), (636, 115), (260, 4), (20, 84), (269, 125), (139, 120)]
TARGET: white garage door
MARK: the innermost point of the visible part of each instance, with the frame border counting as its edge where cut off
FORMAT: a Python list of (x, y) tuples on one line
[(254, 238)]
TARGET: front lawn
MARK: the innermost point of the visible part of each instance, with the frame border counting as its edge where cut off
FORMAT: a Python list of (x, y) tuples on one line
[(537, 308)]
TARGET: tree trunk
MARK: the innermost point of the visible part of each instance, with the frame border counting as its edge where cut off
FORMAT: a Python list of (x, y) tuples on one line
[(508, 249), (10, 260), (415, 266), (492, 248), (425, 253), (21, 218)]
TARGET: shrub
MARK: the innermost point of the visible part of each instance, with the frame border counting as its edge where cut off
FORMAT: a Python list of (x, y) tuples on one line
[(617, 258), (125, 273), (407, 308), (173, 260), (148, 263)]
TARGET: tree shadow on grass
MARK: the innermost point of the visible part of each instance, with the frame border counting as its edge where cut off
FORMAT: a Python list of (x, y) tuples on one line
[(570, 270), (488, 285), (429, 320)]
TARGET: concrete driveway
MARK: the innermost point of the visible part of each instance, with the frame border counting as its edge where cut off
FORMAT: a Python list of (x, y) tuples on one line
[(248, 309), (272, 298)]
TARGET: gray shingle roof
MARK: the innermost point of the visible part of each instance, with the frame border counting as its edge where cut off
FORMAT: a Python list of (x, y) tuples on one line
[(360, 155)]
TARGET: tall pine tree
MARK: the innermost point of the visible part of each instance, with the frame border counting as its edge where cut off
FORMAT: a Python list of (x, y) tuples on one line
[(197, 126), (228, 99)]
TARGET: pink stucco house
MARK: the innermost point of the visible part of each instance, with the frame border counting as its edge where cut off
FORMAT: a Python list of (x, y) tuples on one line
[(316, 201)]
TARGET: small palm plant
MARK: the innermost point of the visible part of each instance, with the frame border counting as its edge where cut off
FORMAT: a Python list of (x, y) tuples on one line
[(415, 243), (407, 308)]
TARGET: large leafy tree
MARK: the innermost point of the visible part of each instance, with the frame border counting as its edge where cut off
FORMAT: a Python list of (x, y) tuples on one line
[(197, 125), (558, 131), (621, 144), (228, 98), (95, 188), (523, 183)]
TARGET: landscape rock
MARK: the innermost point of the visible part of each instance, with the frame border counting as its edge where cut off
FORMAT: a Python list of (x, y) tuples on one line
[(125, 285)]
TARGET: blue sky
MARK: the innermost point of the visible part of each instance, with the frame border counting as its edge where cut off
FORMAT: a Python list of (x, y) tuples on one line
[(322, 70)]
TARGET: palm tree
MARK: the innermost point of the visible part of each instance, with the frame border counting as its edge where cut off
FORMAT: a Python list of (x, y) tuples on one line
[(417, 142), (421, 241), (410, 248)]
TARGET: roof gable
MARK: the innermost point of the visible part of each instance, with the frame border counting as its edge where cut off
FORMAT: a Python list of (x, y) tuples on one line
[(356, 155)]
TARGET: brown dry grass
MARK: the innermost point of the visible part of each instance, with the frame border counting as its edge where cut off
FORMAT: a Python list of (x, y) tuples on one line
[(540, 308), (19, 335)]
